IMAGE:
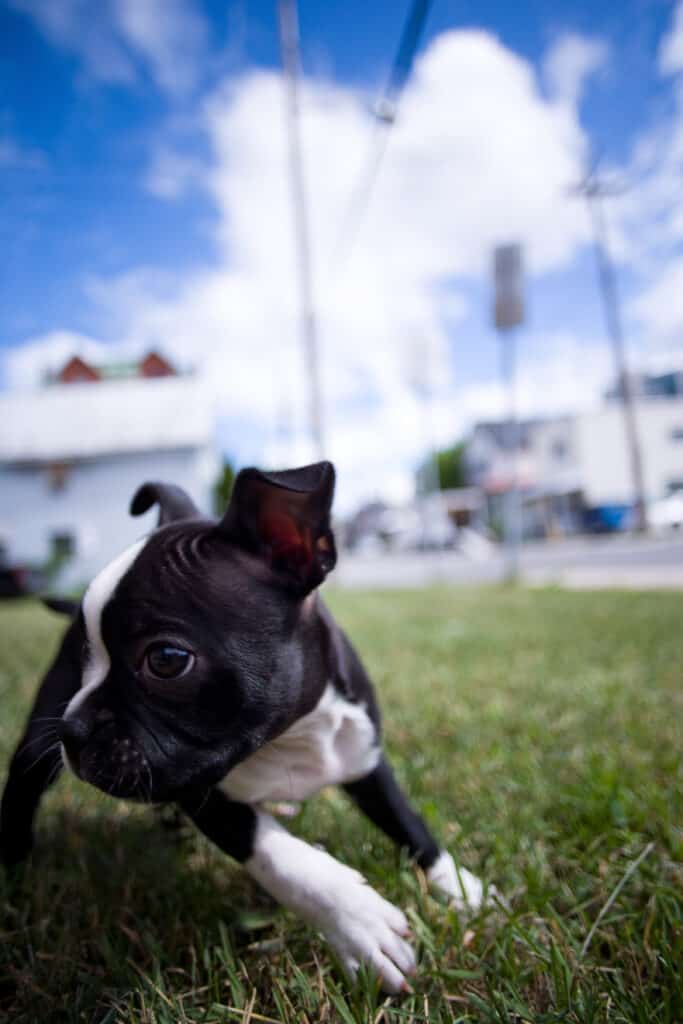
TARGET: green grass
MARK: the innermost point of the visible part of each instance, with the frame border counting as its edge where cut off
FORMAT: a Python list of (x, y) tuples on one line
[(540, 734)]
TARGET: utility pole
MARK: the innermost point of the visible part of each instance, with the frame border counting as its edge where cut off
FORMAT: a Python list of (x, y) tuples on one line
[(508, 315), (594, 191), (512, 517), (291, 61), (421, 379)]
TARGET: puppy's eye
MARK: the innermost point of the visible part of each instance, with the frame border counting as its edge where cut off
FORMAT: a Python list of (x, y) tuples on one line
[(164, 661)]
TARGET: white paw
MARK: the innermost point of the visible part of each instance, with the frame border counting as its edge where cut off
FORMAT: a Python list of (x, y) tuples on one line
[(364, 928), (464, 890)]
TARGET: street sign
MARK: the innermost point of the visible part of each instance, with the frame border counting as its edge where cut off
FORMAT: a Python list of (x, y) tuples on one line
[(507, 276)]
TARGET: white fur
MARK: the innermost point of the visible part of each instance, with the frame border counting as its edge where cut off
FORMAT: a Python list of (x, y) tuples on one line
[(361, 926), (96, 597), (464, 890), (336, 742)]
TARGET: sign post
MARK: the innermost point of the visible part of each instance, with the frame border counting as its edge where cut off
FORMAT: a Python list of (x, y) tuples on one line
[(508, 314)]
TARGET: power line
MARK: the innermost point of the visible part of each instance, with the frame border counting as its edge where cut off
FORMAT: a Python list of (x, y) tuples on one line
[(594, 191), (386, 110), (410, 37), (291, 61)]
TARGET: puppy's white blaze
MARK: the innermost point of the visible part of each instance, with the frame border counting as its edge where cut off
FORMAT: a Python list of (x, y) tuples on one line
[(335, 742), (357, 922), (96, 597)]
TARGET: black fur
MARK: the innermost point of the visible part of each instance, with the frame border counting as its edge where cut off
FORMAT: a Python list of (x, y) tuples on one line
[(237, 595), (174, 503)]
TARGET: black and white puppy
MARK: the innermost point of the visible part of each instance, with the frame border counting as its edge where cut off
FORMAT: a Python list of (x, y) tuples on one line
[(203, 668)]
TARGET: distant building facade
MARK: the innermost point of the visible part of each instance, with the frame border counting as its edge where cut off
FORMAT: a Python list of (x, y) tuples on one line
[(648, 385), (574, 471), (74, 451)]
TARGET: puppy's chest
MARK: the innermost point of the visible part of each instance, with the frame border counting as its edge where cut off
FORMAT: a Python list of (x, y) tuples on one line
[(336, 742)]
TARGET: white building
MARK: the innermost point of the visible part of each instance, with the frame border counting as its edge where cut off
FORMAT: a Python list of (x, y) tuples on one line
[(602, 454), (574, 471), (73, 453)]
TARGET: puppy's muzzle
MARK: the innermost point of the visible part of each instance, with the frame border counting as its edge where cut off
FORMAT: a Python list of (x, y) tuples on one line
[(77, 731), (99, 755)]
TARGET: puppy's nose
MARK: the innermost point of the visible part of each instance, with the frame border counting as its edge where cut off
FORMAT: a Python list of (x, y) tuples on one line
[(75, 731)]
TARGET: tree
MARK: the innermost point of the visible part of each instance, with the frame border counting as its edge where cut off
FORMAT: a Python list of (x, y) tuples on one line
[(451, 465), (222, 489)]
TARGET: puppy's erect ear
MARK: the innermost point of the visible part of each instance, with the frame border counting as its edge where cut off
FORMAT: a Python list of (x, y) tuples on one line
[(284, 519), (173, 502)]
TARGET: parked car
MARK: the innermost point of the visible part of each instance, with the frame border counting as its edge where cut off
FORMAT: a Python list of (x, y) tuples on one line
[(667, 513)]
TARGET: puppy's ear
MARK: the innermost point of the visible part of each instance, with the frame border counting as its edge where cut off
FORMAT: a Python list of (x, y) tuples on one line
[(284, 519), (173, 502)]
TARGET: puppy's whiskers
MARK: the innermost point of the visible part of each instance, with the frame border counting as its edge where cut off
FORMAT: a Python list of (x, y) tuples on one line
[(38, 739), (44, 753), (56, 768), (50, 718), (150, 785), (113, 786)]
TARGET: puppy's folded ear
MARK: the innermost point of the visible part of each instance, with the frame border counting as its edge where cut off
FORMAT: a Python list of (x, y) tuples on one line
[(284, 519), (174, 503)]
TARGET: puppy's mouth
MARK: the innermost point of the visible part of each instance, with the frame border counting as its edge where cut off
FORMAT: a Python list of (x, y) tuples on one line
[(110, 759), (113, 764)]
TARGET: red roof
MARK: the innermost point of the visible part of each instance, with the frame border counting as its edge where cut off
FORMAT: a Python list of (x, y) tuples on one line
[(77, 370)]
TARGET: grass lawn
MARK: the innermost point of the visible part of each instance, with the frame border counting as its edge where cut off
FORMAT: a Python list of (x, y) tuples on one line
[(539, 732)]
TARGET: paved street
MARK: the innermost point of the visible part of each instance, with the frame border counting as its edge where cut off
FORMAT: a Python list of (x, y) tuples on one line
[(612, 561)]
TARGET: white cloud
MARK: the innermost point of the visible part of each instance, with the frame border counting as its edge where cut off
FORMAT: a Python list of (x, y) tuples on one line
[(671, 48), (25, 366), (113, 38), (651, 220), (14, 155), (556, 375), (170, 35), (171, 173), (478, 156), (660, 306), (569, 64), (71, 25)]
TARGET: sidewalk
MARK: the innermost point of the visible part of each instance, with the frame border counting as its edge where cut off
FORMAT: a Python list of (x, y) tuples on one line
[(637, 563)]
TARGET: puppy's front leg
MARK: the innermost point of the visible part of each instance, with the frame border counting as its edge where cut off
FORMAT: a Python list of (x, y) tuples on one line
[(361, 926), (37, 760), (379, 796)]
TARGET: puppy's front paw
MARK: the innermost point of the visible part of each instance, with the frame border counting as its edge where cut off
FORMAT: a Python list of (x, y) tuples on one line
[(464, 890), (361, 927), (364, 928)]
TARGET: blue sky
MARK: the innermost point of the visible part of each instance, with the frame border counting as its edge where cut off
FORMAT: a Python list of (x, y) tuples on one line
[(133, 134)]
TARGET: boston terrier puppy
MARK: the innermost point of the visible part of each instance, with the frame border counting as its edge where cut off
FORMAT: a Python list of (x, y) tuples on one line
[(202, 668)]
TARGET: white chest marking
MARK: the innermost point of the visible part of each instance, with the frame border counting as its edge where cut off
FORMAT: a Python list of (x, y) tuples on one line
[(335, 742), (96, 597)]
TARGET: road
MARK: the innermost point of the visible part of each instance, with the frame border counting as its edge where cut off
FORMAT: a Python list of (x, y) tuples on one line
[(584, 563)]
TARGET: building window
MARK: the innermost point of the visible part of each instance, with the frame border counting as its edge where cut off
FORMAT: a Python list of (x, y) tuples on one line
[(558, 449), (677, 434), (58, 475)]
